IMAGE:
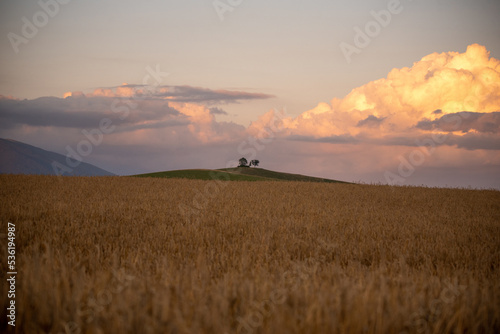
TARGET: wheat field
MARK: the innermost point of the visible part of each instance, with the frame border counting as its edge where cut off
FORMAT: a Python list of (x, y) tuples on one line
[(145, 255)]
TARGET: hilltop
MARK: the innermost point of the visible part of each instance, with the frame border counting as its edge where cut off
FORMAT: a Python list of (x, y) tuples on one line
[(236, 174)]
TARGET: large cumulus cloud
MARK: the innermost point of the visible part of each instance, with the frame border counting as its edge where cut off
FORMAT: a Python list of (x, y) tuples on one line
[(446, 92)]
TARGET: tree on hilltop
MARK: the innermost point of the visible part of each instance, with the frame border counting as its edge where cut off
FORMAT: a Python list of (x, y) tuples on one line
[(255, 163), (243, 162)]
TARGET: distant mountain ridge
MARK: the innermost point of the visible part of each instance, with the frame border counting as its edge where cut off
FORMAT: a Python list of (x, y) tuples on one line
[(21, 158)]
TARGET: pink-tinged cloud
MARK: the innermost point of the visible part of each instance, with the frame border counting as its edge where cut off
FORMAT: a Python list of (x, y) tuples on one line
[(185, 94), (447, 92), (439, 114)]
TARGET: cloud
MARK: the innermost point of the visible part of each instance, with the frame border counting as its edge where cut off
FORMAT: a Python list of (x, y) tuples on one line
[(444, 110), (472, 141), (342, 139), (147, 107), (217, 111), (206, 96), (464, 122), (186, 94), (449, 91), (371, 121), (78, 112), (141, 124)]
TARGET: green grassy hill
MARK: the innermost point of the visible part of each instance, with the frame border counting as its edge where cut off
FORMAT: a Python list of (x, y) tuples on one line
[(236, 174)]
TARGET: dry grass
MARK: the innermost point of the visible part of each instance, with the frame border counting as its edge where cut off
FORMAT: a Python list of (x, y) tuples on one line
[(115, 255)]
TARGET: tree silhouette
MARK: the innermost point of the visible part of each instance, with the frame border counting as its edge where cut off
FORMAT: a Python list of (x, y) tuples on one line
[(255, 163), (243, 162)]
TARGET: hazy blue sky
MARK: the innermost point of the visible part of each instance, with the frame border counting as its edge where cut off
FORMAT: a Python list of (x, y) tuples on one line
[(276, 54)]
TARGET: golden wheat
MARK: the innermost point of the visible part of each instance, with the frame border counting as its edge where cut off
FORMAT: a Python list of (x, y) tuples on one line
[(133, 255)]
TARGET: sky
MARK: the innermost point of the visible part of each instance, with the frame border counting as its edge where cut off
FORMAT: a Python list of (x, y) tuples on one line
[(395, 92)]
